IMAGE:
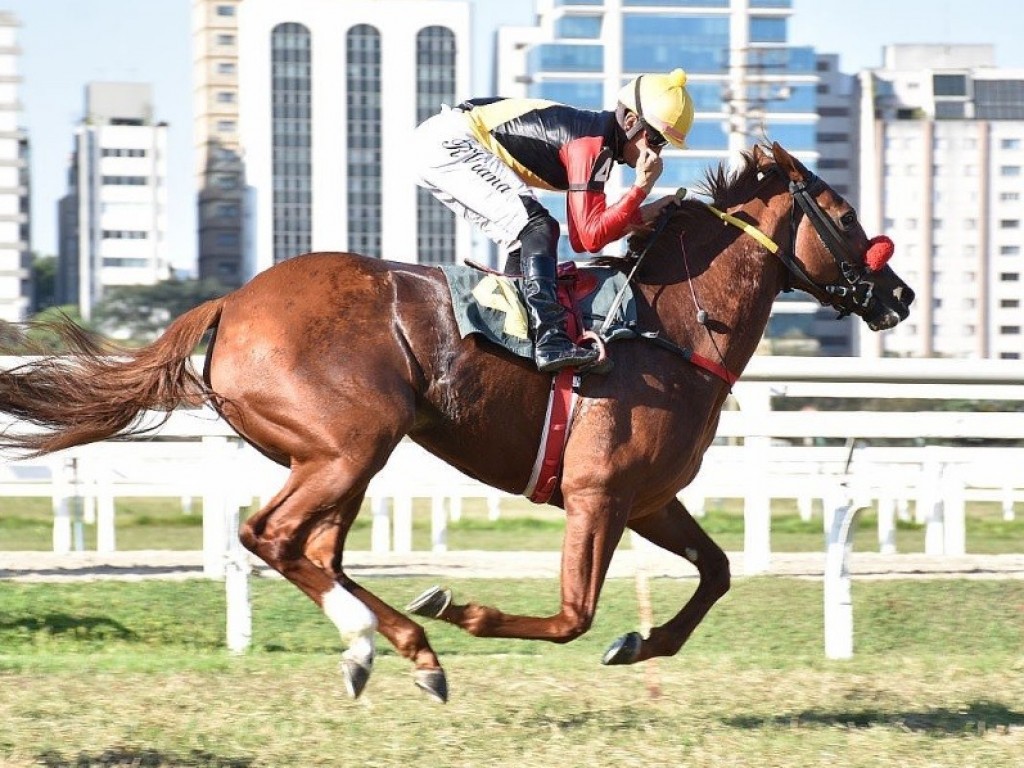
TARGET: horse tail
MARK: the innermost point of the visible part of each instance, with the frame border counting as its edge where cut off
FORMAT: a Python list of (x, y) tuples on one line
[(95, 391)]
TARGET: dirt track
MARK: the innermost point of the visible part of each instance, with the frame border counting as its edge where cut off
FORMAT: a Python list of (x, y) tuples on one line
[(46, 566)]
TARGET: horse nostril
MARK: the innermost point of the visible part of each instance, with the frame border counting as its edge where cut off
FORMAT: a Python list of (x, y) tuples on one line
[(905, 295)]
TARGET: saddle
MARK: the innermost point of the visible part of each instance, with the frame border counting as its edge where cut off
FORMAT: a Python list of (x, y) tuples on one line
[(491, 304)]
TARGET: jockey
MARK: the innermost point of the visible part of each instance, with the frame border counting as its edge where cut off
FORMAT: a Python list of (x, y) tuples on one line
[(484, 157)]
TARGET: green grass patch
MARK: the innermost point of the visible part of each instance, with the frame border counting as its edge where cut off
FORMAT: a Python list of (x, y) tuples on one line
[(27, 524), (108, 673)]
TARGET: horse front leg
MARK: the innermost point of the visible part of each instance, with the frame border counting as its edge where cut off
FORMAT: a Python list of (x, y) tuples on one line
[(673, 528), (594, 525)]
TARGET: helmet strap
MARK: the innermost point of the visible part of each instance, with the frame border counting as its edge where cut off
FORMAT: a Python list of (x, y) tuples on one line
[(641, 122)]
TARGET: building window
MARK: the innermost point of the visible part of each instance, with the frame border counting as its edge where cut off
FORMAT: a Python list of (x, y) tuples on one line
[(1009, 303), (124, 234), (291, 130), (1009, 143), (1009, 197), (1009, 355), (363, 123), (225, 10), (1009, 250), (226, 97), (226, 68), (1009, 330), (1009, 170), (226, 126), (1009, 223), (435, 84), (1009, 277), (115, 152), (125, 181), (225, 39), (949, 85)]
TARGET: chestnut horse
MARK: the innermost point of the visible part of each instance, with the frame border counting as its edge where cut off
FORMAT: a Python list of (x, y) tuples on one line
[(326, 361)]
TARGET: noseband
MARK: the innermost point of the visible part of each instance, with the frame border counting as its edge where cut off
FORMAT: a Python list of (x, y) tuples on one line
[(855, 292)]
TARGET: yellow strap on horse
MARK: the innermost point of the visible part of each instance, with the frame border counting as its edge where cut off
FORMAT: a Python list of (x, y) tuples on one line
[(750, 229)]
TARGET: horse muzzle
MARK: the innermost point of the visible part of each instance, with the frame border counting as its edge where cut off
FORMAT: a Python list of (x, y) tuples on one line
[(890, 306)]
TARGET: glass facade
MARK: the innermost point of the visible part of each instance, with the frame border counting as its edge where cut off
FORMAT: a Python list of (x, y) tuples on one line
[(362, 121), (566, 58), (661, 42), (660, 35), (585, 94), (578, 27), (435, 85), (291, 129)]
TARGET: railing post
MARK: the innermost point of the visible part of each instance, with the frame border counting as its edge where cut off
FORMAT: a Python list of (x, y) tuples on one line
[(757, 518), (954, 531), (439, 523), (403, 523), (236, 585), (493, 505), (380, 530), (63, 473), (886, 524), (215, 498), (838, 596)]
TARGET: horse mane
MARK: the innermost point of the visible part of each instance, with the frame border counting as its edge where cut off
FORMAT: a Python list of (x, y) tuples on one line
[(727, 188), (723, 186)]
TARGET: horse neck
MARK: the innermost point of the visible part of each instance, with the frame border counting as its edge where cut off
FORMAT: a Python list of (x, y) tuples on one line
[(730, 276)]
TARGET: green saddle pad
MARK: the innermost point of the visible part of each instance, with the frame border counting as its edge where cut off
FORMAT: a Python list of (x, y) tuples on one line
[(492, 305)]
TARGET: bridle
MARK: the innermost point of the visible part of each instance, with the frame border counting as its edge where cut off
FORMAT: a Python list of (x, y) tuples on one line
[(855, 291)]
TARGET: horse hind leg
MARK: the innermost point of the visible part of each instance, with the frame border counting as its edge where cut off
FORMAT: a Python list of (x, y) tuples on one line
[(673, 528), (325, 549), (291, 528)]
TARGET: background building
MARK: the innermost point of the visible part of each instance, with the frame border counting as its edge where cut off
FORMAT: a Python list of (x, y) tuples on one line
[(325, 125), (15, 248), (748, 85), (113, 219), (220, 172), (943, 129)]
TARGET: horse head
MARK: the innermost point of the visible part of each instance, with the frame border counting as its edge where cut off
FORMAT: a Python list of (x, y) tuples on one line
[(830, 256)]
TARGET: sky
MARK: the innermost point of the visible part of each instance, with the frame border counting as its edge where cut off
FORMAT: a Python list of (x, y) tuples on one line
[(68, 43)]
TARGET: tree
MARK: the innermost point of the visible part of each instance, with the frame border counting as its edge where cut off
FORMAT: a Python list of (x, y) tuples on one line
[(44, 278), (139, 313)]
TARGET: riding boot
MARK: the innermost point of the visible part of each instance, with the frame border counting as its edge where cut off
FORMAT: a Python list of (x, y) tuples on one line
[(514, 263), (553, 349)]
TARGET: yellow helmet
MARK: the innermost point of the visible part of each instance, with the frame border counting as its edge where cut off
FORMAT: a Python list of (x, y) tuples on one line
[(662, 103)]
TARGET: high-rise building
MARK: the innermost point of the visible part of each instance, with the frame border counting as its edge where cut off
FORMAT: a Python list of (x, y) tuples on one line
[(15, 247), (220, 171), (329, 94), (944, 129), (748, 84), (114, 218)]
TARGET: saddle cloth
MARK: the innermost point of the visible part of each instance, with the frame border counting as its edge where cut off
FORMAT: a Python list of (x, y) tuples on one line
[(492, 305)]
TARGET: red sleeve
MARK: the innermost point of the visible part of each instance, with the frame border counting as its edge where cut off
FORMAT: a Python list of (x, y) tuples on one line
[(592, 222)]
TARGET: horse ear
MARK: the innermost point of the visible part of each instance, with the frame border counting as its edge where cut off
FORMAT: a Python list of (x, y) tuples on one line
[(787, 162)]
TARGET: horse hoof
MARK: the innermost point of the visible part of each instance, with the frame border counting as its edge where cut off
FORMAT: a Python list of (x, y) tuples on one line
[(431, 603), (625, 650), (433, 683), (355, 675)]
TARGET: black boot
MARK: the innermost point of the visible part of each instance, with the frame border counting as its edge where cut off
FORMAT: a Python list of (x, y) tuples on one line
[(553, 349)]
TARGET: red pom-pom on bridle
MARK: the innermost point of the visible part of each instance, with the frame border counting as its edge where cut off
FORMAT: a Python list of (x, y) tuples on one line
[(880, 250)]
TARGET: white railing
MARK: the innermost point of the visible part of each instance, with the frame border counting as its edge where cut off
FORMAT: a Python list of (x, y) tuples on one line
[(761, 454)]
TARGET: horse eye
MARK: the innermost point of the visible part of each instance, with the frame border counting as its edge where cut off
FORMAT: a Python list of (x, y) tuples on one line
[(848, 219)]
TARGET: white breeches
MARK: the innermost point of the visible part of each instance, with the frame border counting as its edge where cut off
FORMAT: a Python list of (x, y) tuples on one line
[(474, 183)]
